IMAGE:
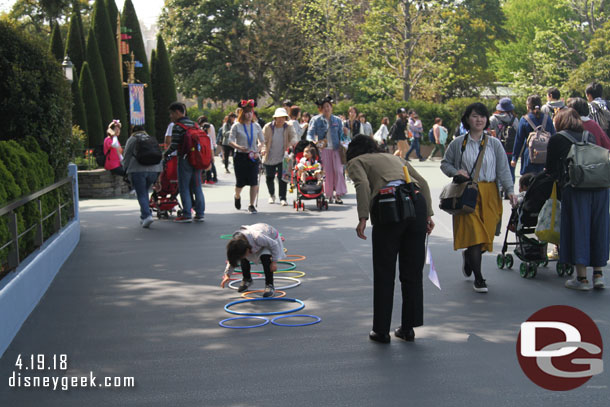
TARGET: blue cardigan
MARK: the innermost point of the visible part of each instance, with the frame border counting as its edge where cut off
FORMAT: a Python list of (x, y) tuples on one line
[(520, 142)]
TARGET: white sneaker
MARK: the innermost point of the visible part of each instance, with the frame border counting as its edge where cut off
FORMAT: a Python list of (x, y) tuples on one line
[(284, 203), (599, 281), (272, 199), (574, 284), (147, 222)]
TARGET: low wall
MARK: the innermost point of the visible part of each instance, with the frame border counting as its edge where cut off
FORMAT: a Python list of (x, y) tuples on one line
[(100, 184), (21, 290)]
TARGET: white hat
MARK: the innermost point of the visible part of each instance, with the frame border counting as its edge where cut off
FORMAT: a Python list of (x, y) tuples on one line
[(280, 112)]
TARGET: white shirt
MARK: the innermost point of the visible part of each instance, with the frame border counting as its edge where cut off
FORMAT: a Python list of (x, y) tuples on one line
[(469, 158)]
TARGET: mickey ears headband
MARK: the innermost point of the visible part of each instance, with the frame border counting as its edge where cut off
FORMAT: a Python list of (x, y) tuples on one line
[(327, 99), (247, 103)]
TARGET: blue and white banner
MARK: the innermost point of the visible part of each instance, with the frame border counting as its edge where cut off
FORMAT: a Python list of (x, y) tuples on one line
[(136, 104)]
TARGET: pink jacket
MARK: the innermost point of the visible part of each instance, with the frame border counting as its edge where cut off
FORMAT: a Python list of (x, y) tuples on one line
[(113, 159)]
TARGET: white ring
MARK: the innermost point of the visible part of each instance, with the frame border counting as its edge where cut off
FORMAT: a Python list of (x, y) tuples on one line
[(297, 282)]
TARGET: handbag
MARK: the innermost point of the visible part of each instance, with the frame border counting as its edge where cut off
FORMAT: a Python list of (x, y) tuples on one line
[(343, 154), (460, 198), (394, 204), (549, 219)]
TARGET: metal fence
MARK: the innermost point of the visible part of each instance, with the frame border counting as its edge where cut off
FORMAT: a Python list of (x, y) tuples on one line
[(64, 208)]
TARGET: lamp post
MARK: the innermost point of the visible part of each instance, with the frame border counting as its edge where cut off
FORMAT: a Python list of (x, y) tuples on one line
[(68, 68)]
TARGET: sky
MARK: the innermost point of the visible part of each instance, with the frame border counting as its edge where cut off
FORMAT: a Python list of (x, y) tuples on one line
[(147, 10)]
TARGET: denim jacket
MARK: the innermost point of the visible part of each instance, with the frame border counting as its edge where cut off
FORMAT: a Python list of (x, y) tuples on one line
[(318, 128)]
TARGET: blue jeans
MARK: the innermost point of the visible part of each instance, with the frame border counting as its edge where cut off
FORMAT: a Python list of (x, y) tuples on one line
[(141, 182), (414, 146), (189, 180)]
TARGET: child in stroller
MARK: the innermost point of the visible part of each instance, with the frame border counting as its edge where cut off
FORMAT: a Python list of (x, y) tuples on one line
[(534, 190), (163, 199), (308, 175)]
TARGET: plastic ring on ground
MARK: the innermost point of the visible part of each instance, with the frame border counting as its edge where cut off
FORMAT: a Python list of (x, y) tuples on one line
[(300, 307), (253, 273), (291, 266), (226, 237), (222, 323), (317, 320), (282, 294), (297, 282), (292, 271), (295, 257)]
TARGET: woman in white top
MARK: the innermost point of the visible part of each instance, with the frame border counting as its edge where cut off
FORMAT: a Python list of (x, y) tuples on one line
[(365, 127), (246, 135), (381, 135)]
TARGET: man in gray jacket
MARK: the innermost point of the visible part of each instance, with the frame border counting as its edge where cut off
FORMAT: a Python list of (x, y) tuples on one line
[(142, 176), (554, 103)]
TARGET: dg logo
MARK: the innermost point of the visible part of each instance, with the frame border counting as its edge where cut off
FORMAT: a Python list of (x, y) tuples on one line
[(560, 348)]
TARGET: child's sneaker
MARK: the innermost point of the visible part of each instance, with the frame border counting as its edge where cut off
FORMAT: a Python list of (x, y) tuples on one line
[(269, 291), (576, 284), (244, 285)]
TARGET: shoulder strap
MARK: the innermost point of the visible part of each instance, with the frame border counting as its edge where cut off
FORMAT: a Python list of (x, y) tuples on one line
[(530, 122), (480, 157), (569, 137)]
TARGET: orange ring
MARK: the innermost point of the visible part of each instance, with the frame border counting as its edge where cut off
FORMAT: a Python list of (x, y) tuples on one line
[(295, 257), (261, 291)]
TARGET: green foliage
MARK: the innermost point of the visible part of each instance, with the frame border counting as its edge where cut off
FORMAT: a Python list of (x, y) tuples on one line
[(79, 116), (92, 109), (99, 78), (113, 12), (136, 43), (35, 96), (596, 67), (164, 90), (106, 42), (56, 47), (74, 43)]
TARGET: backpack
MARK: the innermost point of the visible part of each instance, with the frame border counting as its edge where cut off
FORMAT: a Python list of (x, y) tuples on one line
[(601, 115), (100, 157), (537, 141), (196, 146), (391, 132), (147, 150), (587, 165), (507, 134), (431, 136)]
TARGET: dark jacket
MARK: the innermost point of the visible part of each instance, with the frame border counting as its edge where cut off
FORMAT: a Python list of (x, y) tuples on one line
[(400, 128)]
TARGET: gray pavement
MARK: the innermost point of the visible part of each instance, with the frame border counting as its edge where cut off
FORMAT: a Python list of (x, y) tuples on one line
[(146, 304)]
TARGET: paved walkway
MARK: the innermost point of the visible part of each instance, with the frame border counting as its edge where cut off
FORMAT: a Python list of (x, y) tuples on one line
[(146, 304)]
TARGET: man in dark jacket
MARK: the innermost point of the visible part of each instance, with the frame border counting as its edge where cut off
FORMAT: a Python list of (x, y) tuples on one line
[(189, 179)]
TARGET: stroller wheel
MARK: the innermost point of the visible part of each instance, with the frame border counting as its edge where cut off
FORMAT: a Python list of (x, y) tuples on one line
[(326, 205), (508, 261), (302, 206), (500, 261), (523, 270), (561, 269), (569, 269), (545, 263), (532, 270)]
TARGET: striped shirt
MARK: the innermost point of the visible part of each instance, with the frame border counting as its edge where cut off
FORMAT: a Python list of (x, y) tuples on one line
[(469, 158)]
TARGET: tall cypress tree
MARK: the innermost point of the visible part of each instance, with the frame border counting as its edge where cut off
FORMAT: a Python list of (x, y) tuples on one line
[(106, 43), (113, 13), (95, 130), (56, 47), (99, 78), (74, 43), (79, 116), (76, 10), (130, 20), (164, 89)]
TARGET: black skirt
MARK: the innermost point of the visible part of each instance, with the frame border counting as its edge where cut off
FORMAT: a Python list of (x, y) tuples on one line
[(246, 170)]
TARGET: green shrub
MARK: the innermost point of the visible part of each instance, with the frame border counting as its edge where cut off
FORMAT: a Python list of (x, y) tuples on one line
[(36, 99)]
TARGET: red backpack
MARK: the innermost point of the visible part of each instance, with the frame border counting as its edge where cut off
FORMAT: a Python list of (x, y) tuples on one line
[(197, 147)]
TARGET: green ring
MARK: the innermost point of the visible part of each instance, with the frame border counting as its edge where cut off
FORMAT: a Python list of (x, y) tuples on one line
[(289, 263)]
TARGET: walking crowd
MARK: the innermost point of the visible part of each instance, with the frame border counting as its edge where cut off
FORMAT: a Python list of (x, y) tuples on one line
[(326, 150)]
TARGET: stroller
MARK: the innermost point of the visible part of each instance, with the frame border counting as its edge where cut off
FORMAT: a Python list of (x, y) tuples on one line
[(163, 200), (310, 188), (522, 222)]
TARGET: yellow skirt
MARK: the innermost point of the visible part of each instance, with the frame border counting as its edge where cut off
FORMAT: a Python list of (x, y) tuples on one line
[(479, 227)]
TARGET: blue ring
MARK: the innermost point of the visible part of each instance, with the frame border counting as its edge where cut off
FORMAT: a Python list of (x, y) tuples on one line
[(302, 305), (290, 264), (222, 323), (317, 320)]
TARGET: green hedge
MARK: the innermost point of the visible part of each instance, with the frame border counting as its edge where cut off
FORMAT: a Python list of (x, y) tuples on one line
[(450, 112), (24, 168)]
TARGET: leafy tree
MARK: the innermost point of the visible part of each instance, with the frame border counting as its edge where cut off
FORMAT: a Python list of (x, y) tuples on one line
[(56, 47), (79, 115), (163, 87), (34, 15), (74, 43), (95, 130), (596, 67), (130, 20), (110, 59), (98, 74)]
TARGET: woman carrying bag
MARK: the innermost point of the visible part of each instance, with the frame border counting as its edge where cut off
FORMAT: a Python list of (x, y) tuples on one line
[(401, 214), (475, 231)]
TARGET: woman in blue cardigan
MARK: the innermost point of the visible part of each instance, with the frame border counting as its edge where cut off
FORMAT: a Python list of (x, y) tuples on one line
[(534, 114)]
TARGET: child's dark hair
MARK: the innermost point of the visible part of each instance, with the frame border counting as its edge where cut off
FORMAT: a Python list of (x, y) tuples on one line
[(236, 250), (314, 151), (526, 180)]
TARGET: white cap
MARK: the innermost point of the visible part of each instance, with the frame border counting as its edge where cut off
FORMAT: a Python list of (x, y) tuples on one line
[(280, 112)]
